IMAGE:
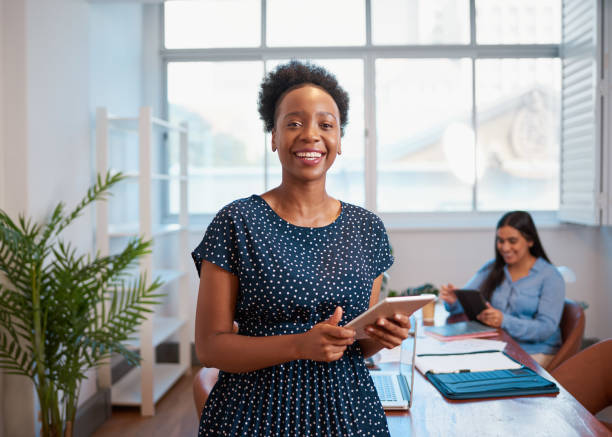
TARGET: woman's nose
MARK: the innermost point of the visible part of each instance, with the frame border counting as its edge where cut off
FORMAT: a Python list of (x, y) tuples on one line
[(310, 132)]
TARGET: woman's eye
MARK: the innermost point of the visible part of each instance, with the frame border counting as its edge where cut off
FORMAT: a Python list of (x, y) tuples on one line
[(327, 125), (293, 124)]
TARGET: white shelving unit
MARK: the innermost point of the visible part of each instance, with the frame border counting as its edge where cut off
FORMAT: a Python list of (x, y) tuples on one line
[(143, 386)]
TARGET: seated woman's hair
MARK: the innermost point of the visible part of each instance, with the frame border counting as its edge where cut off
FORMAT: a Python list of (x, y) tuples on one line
[(522, 222), (293, 75)]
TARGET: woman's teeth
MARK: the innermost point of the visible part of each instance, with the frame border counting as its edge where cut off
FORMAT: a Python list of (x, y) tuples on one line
[(309, 155)]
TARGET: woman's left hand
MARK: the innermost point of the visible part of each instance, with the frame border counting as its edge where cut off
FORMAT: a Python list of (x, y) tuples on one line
[(390, 332), (491, 316)]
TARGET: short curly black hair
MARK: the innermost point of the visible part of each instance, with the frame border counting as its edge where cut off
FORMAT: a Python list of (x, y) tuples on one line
[(291, 75)]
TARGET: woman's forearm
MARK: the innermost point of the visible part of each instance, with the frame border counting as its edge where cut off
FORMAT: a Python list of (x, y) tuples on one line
[(369, 347), (238, 353)]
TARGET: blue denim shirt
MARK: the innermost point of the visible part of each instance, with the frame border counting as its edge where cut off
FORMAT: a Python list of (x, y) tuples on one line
[(532, 305)]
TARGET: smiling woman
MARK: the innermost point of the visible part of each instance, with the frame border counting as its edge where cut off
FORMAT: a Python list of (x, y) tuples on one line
[(292, 267), (526, 292)]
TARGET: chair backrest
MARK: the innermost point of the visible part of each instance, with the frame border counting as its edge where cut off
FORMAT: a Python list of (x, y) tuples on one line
[(572, 329), (587, 376)]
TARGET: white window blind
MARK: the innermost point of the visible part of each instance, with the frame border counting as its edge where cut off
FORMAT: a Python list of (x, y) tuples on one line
[(581, 146)]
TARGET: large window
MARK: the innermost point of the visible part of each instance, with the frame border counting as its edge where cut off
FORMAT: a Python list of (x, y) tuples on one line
[(454, 103)]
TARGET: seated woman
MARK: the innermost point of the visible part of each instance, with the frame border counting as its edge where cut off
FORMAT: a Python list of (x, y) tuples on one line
[(525, 291)]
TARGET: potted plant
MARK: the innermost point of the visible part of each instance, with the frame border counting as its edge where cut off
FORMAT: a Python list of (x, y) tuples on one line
[(429, 309), (62, 313)]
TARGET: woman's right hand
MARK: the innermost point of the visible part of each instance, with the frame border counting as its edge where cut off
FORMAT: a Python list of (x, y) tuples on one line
[(326, 341), (447, 294)]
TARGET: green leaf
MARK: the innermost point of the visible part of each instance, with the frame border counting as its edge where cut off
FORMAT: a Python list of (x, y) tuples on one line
[(62, 311)]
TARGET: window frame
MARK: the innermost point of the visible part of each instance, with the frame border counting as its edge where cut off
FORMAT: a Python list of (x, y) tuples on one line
[(369, 53)]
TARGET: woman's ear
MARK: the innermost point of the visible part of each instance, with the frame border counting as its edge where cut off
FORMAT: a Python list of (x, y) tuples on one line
[(339, 148), (273, 140)]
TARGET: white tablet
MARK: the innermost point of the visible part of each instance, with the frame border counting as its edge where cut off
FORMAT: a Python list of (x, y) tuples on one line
[(387, 308)]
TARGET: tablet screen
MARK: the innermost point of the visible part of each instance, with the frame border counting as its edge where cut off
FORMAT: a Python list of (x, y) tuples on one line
[(472, 302)]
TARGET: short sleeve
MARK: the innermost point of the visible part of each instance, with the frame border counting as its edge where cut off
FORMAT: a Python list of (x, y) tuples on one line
[(383, 259), (220, 244)]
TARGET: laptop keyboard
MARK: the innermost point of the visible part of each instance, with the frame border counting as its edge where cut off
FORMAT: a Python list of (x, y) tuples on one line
[(384, 387)]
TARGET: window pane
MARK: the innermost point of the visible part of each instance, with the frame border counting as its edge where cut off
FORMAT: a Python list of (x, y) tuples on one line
[(345, 179), (420, 22), (518, 22), (212, 23), (425, 141), (315, 23), (226, 140), (518, 133)]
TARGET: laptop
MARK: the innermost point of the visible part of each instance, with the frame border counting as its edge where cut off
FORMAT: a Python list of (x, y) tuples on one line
[(394, 388)]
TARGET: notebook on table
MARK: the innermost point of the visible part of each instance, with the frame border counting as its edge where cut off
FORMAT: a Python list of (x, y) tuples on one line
[(483, 375), (461, 330)]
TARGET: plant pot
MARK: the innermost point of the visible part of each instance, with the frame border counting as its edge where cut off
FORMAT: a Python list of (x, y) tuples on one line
[(429, 311)]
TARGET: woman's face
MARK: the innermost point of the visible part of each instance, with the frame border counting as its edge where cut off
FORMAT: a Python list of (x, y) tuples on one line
[(307, 133), (512, 245)]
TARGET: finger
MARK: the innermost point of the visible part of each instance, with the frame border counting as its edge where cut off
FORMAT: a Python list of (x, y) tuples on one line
[(402, 320), (333, 349), (391, 328), (339, 341), (384, 341), (334, 357), (338, 331), (488, 305), (335, 317), (384, 337)]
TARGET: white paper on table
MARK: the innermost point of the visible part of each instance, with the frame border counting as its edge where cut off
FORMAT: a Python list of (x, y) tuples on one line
[(430, 345), (478, 362)]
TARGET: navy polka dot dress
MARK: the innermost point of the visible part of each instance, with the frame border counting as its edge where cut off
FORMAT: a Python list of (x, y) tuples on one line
[(291, 278)]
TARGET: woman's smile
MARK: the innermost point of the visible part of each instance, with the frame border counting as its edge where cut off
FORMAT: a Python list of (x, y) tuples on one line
[(309, 157)]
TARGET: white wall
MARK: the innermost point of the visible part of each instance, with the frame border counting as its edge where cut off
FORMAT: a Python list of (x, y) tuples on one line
[(115, 57), (17, 396), (47, 108), (1, 171), (2, 39)]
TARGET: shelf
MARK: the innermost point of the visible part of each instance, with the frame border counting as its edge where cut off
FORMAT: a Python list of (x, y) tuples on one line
[(144, 385), (127, 390), (163, 327), (132, 229)]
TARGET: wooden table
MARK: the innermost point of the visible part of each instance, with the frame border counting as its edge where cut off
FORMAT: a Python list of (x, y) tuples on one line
[(524, 416)]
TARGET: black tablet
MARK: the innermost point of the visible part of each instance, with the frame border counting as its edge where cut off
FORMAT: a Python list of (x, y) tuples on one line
[(472, 302)]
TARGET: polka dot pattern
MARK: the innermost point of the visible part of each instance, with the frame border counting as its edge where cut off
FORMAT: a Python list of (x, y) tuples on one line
[(291, 278)]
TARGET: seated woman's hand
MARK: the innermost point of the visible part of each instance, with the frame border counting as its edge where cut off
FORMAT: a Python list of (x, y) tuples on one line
[(491, 316), (447, 293), (390, 332), (326, 341)]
